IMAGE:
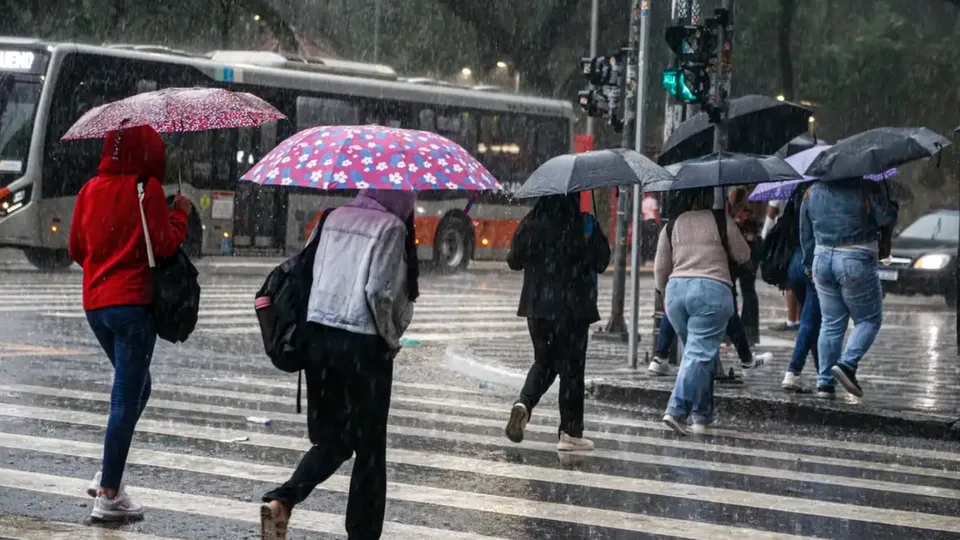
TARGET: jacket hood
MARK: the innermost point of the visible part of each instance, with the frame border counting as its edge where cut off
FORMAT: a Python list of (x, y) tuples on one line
[(398, 203), (138, 151)]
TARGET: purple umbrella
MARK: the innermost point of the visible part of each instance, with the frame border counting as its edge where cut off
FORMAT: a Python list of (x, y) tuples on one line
[(771, 191)]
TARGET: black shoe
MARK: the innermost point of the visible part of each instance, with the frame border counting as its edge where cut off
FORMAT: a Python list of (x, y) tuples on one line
[(848, 378), (826, 392), (519, 416)]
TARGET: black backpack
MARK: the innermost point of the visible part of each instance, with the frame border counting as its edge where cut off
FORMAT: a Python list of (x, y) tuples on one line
[(779, 245), (176, 289), (281, 306)]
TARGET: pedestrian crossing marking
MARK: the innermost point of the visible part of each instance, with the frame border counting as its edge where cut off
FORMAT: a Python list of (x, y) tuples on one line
[(24, 528), (17, 350), (202, 505)]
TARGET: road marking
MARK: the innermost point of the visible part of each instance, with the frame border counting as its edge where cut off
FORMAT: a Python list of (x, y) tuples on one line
[(219, 508), (26, 528), (17, 350)]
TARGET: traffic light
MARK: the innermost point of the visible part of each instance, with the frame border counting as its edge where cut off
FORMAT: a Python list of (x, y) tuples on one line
[(695, 48), (604, 76)]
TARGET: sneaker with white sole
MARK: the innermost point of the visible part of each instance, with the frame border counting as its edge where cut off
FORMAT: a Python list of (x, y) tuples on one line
[(791, 382), (519, 416), (120, 508), (758, 360), (826, 392), (659, 366), (700, 429), (94, 488), (574, 444), (674, 424)]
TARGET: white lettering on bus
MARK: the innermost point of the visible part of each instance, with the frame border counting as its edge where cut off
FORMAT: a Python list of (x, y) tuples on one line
[(16, 60)]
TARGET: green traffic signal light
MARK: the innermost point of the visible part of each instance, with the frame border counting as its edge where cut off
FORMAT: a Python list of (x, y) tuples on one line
[(675, 83)]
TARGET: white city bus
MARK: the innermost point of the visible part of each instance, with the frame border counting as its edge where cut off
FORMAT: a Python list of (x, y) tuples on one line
[(45, 87)]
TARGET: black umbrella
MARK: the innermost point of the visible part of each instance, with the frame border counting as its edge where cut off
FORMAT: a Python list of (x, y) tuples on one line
[(591, 170), (756, 125), (799, 144), (875, 152), (726, 169)]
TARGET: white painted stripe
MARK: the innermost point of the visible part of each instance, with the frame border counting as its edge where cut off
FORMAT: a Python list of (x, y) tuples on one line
[(425, 336), (26, 528), (636, 457), (219, 508), (505, 505), (478, 502)]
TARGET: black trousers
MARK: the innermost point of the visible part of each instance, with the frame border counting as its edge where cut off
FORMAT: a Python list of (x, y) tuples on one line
[(750, 314), (559, 349), (349, 379)]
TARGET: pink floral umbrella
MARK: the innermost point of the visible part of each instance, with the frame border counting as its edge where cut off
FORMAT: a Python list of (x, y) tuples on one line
[(371, 157), (176, 110)]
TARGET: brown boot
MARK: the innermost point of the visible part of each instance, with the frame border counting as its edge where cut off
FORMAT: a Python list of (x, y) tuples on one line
[(273, 521)]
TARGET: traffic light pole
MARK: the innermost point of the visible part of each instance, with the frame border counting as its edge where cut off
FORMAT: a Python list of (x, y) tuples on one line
[(636, 257), (616, 327), (594, 31)]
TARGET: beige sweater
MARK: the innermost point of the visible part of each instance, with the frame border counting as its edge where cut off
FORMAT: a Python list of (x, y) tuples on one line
[(697, 250)]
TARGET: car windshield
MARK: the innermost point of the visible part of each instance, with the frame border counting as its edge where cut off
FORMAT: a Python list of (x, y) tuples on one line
[(939, 226), (18, 103)]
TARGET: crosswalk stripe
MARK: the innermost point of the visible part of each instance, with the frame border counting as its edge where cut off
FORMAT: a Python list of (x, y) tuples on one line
[(636, 457), (220, 508), (23, 528), (767, 501), (419, 494)]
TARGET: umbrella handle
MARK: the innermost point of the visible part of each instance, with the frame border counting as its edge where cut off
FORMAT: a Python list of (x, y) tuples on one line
[(593, 200)]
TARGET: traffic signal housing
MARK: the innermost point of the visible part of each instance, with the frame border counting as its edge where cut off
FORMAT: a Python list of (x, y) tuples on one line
[(601, 98), (695, 48)]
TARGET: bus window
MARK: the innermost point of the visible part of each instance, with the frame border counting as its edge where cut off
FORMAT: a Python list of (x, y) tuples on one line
[(506, 148), (314, 111), (428, 120), (553, 138), (19, 95)]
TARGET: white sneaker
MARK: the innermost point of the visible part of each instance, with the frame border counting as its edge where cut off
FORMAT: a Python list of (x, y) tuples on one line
[(791, 382), (758, 360), (659, 366), (674, 424), (94, 488), (519, 416), (574, 444), (120, 508)]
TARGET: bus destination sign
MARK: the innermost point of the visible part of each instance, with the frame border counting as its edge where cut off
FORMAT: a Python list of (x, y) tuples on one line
[(21, 61)]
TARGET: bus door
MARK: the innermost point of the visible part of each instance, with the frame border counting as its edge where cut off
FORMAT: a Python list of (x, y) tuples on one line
[(259, 219)]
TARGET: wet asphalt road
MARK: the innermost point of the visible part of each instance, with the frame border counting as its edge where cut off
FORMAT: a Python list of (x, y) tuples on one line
[(200, 466)]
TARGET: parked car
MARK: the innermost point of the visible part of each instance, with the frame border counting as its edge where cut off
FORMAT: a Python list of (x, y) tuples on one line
[(924, 257)]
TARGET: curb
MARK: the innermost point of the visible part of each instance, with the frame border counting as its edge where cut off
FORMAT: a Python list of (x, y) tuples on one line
[(744, 407)]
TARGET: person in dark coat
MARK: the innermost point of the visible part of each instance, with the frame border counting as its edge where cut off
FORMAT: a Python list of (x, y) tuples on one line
[(560, 251)]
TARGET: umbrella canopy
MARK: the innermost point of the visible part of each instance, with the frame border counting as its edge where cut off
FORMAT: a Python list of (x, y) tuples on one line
[(799, 144), (756, 125), (371, 157), (727, 169), (875, 152), (175, 110), (592, 170)]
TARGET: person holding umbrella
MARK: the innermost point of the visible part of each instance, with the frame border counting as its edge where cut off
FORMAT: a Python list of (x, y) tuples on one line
[(693, 271), (842, 222)]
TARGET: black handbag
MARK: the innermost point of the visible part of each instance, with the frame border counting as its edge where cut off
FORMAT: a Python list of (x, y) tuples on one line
[(176, 289)]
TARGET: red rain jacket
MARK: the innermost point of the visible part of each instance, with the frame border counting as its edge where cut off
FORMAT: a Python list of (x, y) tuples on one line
[(106, 235)]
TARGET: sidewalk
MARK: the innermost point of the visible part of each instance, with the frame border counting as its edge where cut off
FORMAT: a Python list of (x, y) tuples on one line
[(920, 398)]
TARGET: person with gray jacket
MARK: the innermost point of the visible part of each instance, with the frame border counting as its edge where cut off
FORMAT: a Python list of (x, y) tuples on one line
[(361, 301)]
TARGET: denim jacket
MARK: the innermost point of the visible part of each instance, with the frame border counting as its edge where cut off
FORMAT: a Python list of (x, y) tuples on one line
[(844, 213)]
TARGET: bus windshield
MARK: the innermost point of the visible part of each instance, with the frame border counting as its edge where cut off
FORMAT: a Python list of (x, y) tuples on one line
[(18, 104)]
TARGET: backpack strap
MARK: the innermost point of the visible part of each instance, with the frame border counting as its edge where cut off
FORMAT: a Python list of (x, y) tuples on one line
[(670, 225), (720, 217), (310, 252), (141, 192)]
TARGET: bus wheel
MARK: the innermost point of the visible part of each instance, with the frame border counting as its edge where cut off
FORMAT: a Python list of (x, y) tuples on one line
[(48, 260), (453, 245)]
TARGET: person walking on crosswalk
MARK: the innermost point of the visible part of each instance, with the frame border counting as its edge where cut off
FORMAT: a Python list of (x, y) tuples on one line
[(693, 271), (560, 251), (107, 241), (361, 302)]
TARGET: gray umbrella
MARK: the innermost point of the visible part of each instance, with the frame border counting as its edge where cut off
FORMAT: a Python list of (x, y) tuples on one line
[(591, 170), (874, 152), (726, 169)]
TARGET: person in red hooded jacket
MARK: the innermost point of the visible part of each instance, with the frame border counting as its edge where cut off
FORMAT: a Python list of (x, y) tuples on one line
[(107, 241)]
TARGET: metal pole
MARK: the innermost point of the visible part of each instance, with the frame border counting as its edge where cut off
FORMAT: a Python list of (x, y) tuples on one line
[(720, 129), (594, 31), (636, 258), (376, 30), (617, 327)]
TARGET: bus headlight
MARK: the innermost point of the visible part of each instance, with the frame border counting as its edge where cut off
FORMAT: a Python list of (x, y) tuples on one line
[(10, 202), (935, 261)]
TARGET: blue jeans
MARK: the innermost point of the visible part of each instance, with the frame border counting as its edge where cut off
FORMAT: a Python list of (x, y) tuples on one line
[(735, 331), (848, 287), (699, 309), (127, 335), (809, 332)]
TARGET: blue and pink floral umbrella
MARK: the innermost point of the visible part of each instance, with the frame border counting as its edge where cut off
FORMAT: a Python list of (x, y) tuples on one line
[(371, 157)]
